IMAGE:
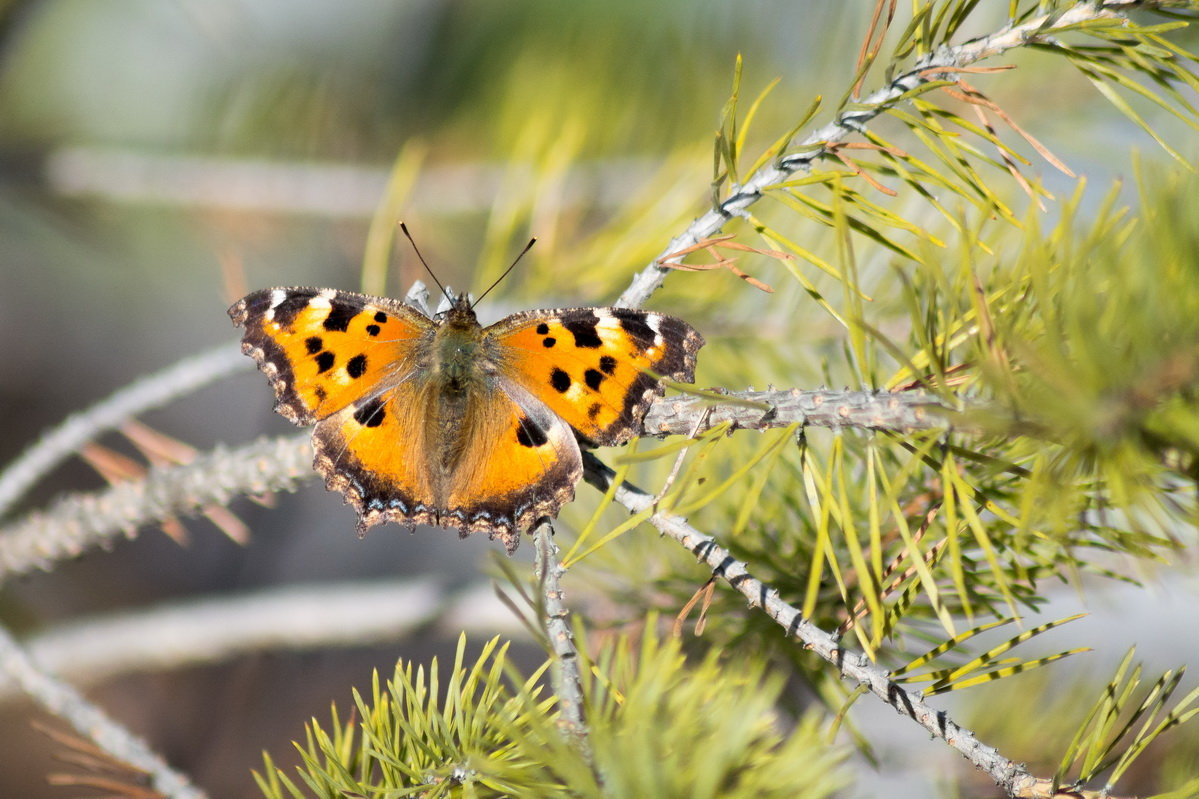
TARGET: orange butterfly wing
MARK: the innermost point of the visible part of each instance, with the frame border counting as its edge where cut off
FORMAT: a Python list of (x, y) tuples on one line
[(323, 350), (597, 368)]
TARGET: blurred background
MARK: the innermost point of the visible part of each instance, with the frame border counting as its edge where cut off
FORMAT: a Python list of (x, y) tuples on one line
[(159, 159)]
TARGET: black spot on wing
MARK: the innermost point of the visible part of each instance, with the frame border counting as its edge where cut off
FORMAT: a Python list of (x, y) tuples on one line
[(543, 329), (549, 341), (633, 322), (607, 364), (380, 317), (370, 413), (373, 330), (593, 378), (594, 411), (529, 434), (324, 361), (286, 311), (340, 314), (583, 329), (314, 344), (560, 381), (356, 366)]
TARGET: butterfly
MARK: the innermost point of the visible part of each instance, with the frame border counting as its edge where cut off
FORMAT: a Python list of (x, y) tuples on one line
[(443, 421)]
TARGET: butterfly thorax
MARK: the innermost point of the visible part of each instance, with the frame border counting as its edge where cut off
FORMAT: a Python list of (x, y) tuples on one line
[(456, 350), (458, 393)]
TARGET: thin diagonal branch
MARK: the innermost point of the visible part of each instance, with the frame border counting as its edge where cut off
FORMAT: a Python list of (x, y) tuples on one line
[(149, 392), (90, 721), (943, 64), (852, 666)]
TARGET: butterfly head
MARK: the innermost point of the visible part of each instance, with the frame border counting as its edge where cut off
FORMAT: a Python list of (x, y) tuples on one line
[(460, 313)]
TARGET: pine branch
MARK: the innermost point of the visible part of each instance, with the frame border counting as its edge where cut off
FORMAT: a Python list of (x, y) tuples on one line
[(900, 411), (88, 720), (1012, 777), (942, 64), (82, 521), (79, 522)]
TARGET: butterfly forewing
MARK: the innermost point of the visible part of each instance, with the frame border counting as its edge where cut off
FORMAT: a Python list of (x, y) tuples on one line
[(324, 350), (597, 368)]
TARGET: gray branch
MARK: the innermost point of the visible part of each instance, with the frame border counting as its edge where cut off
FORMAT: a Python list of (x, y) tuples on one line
[(758, 410), (66, 703), (79, 522), (939, 65), (852, 666), (82, 521), (568, 683)]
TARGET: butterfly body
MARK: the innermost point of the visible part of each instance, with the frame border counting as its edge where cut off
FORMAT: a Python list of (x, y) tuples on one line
[(444, 421)]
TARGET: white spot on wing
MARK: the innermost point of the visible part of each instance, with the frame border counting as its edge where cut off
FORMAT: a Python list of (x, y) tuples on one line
[(277, 296)]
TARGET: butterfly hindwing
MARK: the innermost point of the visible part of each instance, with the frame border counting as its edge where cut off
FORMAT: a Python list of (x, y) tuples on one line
[(597, 368), (521, 464), (503, 463), (323, 349)]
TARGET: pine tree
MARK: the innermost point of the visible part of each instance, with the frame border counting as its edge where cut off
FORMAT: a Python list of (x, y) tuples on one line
[(988, 392)]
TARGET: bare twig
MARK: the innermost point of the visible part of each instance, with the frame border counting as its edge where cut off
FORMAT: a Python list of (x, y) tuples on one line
[(149, 392), (90, 721), (761, 410)]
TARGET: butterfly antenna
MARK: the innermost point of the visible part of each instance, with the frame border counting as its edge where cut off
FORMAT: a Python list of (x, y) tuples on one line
[(424, 263), (528, 247)]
